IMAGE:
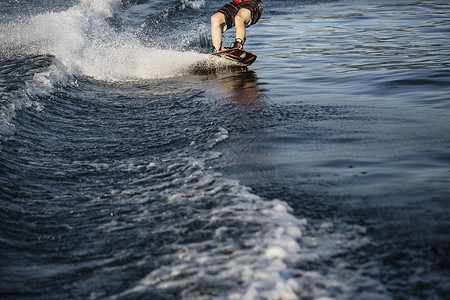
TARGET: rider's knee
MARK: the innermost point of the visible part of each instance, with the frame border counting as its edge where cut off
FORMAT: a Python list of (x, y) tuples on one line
[(243, 16), (217, 19)]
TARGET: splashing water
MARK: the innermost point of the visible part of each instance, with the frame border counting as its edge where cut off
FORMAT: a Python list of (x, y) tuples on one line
[(82, 40)]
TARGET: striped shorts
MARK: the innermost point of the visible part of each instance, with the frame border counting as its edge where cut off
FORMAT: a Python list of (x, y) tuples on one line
[(231, 9)]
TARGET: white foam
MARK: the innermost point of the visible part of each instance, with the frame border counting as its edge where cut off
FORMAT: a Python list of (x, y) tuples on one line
[(258, 246), (82, 41), (10, 104), (9, 107), (195, 4)]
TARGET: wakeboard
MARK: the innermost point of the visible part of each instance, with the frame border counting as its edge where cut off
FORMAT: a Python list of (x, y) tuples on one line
[(239, 56)]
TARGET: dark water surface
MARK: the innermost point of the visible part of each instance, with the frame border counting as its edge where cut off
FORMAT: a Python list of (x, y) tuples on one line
[(133, 166)]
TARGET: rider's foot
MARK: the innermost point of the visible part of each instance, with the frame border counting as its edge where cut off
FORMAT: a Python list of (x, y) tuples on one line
[(238, 44)]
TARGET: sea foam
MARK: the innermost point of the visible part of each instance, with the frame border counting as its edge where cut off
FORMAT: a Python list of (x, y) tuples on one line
[(83, 41)]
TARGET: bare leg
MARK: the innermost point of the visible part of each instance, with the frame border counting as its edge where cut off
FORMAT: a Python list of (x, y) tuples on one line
[(217, 23), (243, 16)]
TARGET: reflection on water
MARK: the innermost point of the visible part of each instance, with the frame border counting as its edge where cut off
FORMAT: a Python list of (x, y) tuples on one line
[(241, 87), (248, 114)]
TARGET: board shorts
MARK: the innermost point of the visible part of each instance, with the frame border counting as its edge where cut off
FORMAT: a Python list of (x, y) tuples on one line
[(231, 9)]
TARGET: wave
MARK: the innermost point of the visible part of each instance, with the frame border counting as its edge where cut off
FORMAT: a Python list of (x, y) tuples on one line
[(78, 42), (195, 4), (229, 243), (83, 41)]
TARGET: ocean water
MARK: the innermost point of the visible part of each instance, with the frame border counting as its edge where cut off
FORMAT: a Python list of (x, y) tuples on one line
[(135, 166)]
